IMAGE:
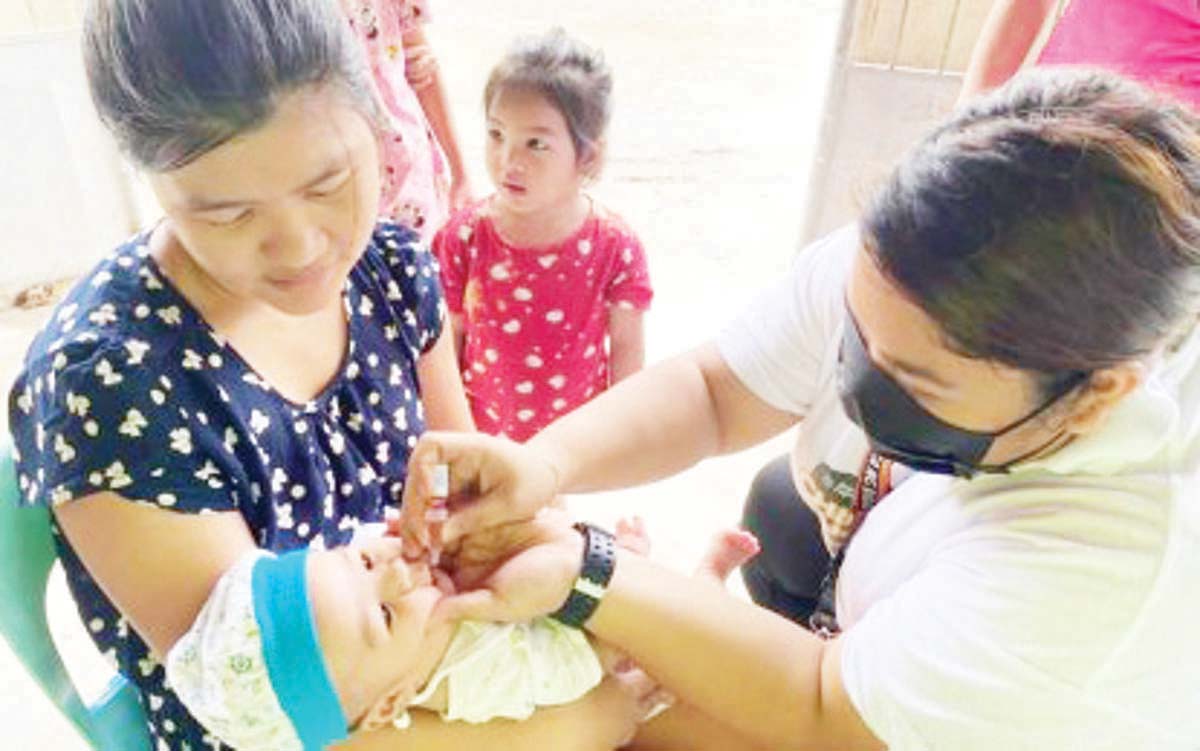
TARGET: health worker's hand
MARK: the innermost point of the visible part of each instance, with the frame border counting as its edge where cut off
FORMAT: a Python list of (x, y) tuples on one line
[(514, 572), (493, 481)]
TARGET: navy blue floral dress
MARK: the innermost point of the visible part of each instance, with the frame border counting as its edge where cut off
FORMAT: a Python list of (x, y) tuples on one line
[(128, 390)]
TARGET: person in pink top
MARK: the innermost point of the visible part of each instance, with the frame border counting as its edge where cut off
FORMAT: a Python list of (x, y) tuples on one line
[(1156, 42), (423, 176), (547, 288)]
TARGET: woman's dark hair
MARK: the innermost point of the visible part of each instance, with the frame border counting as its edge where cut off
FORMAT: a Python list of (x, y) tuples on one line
[(1052, 225), (571, 76), (174, 79)]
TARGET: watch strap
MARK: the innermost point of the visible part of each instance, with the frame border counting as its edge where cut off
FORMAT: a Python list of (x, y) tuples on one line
[(599, 560)]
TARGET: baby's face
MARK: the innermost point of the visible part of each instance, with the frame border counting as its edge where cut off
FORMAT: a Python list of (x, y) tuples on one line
[(372, 609)]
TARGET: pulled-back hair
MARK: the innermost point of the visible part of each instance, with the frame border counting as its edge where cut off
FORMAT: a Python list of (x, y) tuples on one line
[(571, 76), (1052, 225), (174, 79)]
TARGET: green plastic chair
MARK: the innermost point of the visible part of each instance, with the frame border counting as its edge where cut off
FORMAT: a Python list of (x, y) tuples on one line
[(116, 721)]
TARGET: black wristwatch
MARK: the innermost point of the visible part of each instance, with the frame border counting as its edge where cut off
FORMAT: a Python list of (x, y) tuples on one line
[(599, 559)]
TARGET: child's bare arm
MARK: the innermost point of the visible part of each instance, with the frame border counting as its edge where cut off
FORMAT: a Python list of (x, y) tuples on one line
[(431, 93), (1011, 28), (457, 326), (627, 340)]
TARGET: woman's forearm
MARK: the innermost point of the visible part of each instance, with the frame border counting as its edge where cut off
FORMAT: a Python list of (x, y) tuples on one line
[(442, 393), (664, 622), (593, 723), (762, 675), (651, 425), (157, 566)]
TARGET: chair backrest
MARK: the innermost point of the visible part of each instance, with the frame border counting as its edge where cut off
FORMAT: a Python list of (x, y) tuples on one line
[(116, 721)]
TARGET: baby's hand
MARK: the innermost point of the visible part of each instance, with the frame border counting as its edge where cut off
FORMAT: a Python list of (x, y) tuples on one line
[(420, 66), (652, 697)]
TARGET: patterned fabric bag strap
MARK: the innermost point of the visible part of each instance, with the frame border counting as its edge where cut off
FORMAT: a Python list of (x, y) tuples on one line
[(874, 483)]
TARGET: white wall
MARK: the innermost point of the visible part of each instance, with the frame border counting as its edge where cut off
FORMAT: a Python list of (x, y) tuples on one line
[(64, 198), (896, 73), (876, 115)]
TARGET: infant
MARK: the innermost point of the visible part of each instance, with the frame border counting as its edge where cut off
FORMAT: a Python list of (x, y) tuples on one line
[(355, 632)]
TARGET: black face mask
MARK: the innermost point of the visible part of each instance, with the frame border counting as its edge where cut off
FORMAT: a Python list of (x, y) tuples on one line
[(902, 430)]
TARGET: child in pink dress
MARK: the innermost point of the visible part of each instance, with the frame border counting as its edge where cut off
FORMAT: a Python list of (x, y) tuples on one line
[(546, 287), (418, 144), (1156, 42)]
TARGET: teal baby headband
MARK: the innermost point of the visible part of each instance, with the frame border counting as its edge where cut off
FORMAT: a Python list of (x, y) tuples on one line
[(292, 652), (250, 668)]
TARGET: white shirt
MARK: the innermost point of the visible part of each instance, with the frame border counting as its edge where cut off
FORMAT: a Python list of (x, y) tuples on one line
[(1050, 608)]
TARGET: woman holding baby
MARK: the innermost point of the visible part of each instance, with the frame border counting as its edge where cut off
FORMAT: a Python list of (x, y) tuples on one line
[(248, 377)]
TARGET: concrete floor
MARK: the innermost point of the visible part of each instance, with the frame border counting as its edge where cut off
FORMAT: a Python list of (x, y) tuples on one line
[(715, 122)]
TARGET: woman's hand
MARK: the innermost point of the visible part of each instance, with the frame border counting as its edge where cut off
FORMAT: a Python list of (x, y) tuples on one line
[(514, 572), (492, 481)]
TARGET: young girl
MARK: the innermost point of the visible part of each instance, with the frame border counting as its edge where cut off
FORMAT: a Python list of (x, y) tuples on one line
[(547, 288)]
